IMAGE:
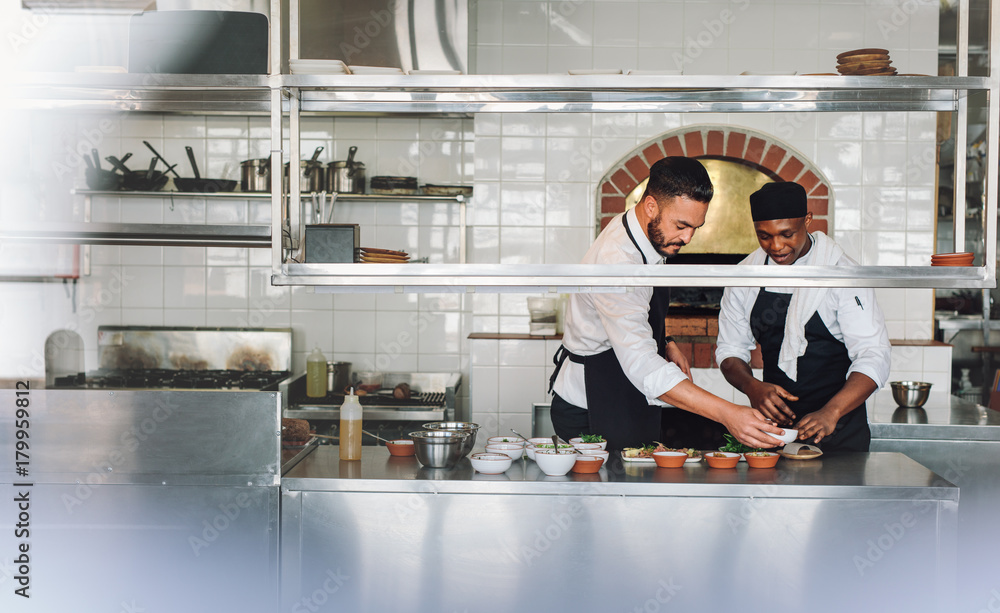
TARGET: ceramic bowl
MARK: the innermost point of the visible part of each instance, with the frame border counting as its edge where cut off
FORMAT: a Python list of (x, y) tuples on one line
[(587, 464), (401, 447), (761, 459), (578, 440), (587, 446), (670, 459), (722, 459), (490, 463), (505, 439), (598, 453), (788, 437), (555, 464), (514, 451)]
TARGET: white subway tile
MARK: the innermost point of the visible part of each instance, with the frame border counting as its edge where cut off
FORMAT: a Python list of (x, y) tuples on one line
[(487, 124), (227, 287), (354, 331), (522, 204), (571, 23), (522, 245), (521, 352), (525, 23), (144, 289), (315, 329), (840, 161), (522, 59), (489, 23), (142, 317), (567, 245), (488, 158), (560, 60), (184, 287), (838, 27), (439, 332), (184, 317), (225, 256), (521, 386), (305, 297), (484, 245), (569, 204), (484, 393)]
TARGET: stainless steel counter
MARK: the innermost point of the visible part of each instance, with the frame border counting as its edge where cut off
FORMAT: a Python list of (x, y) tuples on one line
[(369, 535), (960, 441)]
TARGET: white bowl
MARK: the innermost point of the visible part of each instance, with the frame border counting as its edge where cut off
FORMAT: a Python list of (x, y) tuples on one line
[(600, 453), (512, 450), (788, 437), (505, 439), (579, 441), (490, 463), (586, 447), (555, 464)]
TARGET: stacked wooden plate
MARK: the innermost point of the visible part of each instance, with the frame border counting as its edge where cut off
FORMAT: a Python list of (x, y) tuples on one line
[(371, 255), (965, 258), (870, 62)]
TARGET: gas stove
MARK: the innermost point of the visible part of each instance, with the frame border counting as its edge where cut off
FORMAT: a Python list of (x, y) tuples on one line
[(433, 399), (161, 378)]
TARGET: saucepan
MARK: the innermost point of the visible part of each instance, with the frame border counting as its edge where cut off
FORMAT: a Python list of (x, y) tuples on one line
[(255, 175), (346, 177), (310, 173)]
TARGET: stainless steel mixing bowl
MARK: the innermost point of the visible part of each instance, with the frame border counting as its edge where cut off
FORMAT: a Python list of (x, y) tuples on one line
[(439, 448), (910, 394), (457, 426)]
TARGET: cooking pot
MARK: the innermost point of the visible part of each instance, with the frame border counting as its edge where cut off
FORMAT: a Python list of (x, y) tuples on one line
[(255, 175), (310, 173), (346, 177), (338, 376)]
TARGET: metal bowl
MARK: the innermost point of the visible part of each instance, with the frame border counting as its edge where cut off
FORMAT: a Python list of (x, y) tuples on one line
[(457, 426), (910, 394), (439, 448)]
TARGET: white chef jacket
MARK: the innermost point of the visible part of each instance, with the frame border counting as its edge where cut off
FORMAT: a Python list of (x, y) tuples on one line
[(595, 322), (851, 315)]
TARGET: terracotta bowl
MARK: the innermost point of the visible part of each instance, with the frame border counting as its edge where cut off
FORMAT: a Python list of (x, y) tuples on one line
[(587, 464), (401, 447), (722, 459), (765, 459), (599, 453), (670, 459)]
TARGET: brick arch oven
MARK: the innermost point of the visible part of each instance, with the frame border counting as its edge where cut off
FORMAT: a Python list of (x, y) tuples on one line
[(761, 151), (693, 318)]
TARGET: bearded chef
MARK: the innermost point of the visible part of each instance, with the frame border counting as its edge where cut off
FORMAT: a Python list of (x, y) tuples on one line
[(615, 368), (825, 350)]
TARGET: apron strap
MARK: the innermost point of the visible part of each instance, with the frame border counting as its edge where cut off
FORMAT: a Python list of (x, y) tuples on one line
[(560, 356)]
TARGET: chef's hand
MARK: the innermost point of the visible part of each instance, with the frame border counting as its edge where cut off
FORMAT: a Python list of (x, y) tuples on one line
[(819, 424), (769, 399), (675, 355), (750, 428)]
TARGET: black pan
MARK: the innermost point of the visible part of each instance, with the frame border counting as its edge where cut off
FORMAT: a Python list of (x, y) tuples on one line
[(197, 184), (139, 180)]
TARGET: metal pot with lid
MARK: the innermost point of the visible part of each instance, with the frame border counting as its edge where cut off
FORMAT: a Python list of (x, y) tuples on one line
[(255, 175), (310, 173), (346, 176)]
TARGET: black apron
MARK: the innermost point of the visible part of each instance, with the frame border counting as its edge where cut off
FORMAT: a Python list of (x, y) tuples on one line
[(617, 409), (822, 369)]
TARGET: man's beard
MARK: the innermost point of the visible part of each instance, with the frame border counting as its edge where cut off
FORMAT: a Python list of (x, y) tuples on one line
[(657, 240)]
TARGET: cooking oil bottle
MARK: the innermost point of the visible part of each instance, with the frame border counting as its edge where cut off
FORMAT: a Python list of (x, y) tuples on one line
[(316, 374), (350, 427)]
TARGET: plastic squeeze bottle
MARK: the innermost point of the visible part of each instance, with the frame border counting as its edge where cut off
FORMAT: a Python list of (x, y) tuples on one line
[(316, 374), (350, 427)]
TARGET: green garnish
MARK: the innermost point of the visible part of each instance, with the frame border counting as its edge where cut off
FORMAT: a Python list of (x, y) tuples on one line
[(592, 438), (734, 446)]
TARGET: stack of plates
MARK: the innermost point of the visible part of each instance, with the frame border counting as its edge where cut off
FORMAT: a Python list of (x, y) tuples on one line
[(375, 70), (317, 67), (371, 255), (965, 258), (865, 62)]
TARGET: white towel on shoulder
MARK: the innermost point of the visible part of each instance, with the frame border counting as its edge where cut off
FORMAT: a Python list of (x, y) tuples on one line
[(804, 303)]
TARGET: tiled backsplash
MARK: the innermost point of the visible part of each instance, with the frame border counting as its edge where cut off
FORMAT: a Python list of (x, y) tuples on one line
[(534, 177)]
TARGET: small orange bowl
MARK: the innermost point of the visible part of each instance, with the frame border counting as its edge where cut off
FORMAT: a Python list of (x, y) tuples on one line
[(722, 459), (670, 459), (588, 464), (401, 447), (763, 460)]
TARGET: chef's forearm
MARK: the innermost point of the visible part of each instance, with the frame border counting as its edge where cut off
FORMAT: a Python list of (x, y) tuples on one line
[(689, 397), (737, 373), (856, 390)]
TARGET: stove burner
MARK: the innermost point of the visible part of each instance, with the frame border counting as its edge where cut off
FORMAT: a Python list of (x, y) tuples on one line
[(254, 381), (137, 380)]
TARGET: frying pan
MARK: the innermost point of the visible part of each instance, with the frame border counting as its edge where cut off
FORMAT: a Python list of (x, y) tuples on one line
[(197, 184), (99, 179), (139, 180)]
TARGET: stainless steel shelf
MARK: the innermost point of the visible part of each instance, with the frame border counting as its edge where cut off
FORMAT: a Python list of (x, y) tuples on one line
[(465, 94), (162, 235), (264, 196), (626, 93), (587, 277)]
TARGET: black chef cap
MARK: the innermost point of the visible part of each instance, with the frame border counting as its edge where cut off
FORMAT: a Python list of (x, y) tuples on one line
[(778, 201)]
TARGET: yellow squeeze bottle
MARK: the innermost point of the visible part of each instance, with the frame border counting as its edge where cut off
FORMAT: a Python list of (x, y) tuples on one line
[(350, 427)]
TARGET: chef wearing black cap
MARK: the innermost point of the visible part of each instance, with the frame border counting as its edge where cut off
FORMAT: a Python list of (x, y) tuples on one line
[(825, 350)]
